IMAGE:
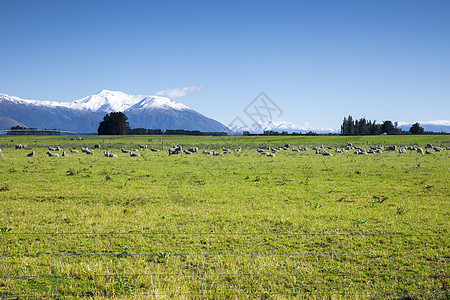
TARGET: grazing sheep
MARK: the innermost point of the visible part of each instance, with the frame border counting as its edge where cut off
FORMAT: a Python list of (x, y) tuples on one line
[(1, 150), (193, 150), (428, 152), (125, 151), (134, 154), (64, 154), (74, 151), (187, 152), (428, 146), (207, 152), (239, 149), (420, 151), (52, 154), (97, 146), (108, 154), (89, 152), (31, 154), (338, 150), (327, 153), (217, 153), (143, 146), (392, 148), (175, 150), (20, 146), (225, 149), (378, 151), (402, 150), (437, 149), (154, 150), (270, 154)]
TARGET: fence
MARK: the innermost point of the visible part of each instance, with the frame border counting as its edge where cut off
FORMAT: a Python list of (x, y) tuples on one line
[(214, 272)]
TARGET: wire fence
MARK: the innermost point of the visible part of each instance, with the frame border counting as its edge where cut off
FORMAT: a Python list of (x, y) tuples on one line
[(206, 273)]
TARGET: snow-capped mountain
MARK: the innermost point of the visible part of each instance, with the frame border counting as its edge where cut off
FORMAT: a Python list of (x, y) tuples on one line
[(279, 126), (84, 115), (434, 126)]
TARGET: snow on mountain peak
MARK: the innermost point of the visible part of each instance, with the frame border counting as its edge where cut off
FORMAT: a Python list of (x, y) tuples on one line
[(107, 101)]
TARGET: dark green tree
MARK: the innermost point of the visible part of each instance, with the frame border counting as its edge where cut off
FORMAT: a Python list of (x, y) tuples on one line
[(387, 127), (416, 129), (114, 124)]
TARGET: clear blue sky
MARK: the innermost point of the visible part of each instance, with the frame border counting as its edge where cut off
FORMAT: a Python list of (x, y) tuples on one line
[(318, 60)]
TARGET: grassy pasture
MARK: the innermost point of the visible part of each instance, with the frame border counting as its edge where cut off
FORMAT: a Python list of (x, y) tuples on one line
[(297, 225)]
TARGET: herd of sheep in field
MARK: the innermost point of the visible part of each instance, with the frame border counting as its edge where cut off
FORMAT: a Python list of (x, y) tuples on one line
[(268, 151)]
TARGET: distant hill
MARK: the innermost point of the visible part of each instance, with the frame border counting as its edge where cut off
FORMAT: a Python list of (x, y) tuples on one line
[(280, 126), (433, 126), (84, 115), (6, 123)]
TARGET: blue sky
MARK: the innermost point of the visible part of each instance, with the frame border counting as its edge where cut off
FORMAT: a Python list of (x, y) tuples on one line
[(319, 61)]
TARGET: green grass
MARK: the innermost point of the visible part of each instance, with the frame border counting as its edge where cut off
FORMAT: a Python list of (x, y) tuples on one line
[(295, 225)]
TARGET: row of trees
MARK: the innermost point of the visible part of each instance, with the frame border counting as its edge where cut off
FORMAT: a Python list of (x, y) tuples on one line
[(368, 127), (116, 123)]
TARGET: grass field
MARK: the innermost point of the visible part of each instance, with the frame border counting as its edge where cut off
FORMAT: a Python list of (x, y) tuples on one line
[(297, 225)]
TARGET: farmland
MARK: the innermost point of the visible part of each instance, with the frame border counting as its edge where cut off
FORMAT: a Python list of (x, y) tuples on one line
[(233, 226)]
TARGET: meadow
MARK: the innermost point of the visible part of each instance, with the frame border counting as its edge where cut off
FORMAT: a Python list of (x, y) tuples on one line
[(242, 225)]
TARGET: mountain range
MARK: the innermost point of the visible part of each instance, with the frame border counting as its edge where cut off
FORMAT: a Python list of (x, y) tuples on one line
[(84, 115), (279, 126)]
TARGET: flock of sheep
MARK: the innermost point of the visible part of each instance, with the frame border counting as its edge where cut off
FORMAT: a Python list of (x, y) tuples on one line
[(270, 151)]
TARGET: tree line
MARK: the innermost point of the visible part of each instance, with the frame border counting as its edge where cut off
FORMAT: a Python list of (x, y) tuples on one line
[(362, 126), (116, 123)]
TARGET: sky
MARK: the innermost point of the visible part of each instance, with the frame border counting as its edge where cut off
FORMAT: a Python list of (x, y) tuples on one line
[(316, 61)]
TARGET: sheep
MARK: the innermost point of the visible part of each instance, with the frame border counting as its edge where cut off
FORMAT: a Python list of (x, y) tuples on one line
[(97, 146), (428, 146), (392, 148), (89, 152), (142, 146), (187, 152), (217, 153), (74, 151), (402, 150), (108, 154), (31, 154), (125, 151), (327, 153), (193, 150), (437, 149), (64, 154), (134, 154), (428, 152), (270, 154), (420, 151), (338, 150), (239, 149), (20, 146), (175, 150), (1, 150), (52, 154), (154, 150), (225, 149), (207, 152)]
